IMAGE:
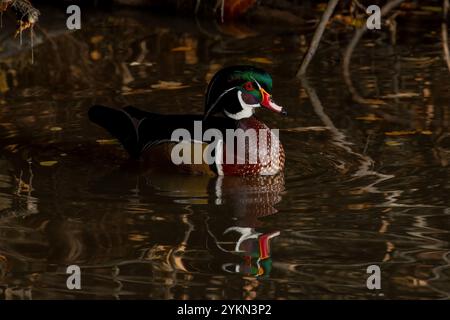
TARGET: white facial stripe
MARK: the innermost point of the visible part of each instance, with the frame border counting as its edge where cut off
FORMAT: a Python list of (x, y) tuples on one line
[(247, 109), (244, 104), (245, 113), (218, 99), (257, 83)]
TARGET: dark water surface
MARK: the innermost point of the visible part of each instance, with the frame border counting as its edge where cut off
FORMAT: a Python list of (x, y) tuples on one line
[(364, 184)]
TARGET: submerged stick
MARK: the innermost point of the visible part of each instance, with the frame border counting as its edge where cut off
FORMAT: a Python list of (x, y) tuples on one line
[(339, 139), (349, 52), (316, 38)]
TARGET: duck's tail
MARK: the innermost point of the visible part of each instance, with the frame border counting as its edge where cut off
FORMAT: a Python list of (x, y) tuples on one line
[(122, 124)]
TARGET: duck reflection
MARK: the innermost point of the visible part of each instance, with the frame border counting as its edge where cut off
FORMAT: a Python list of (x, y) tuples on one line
[(251, 199), (254, 247), (244, 200)]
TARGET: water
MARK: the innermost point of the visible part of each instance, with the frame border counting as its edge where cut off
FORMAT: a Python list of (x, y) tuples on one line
[(364, 184)]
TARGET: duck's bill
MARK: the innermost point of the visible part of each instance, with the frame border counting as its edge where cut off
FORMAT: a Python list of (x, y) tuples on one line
[(268, 103)]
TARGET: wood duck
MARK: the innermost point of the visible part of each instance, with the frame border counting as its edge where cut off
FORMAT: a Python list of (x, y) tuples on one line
[(235, 92)]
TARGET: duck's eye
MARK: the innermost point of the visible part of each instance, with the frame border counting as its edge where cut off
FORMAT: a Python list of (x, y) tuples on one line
[(248, 86)]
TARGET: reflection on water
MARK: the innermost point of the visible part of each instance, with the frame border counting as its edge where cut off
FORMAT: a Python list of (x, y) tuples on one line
[(364, 184)]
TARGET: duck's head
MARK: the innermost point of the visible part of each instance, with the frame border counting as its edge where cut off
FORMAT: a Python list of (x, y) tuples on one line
[(238, 90)]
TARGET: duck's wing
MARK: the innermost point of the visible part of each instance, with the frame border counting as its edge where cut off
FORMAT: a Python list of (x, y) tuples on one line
[(119, 124), (139, 130)]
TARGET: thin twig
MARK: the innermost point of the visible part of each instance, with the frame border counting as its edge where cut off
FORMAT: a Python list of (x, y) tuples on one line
[(220, 3), (197, 6), (316, 38), (359, 5)]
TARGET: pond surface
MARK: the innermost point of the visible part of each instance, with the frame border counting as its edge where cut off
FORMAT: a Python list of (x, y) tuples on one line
[(364, 183)]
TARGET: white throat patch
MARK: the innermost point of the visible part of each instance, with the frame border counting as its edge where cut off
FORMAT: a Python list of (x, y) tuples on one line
[(247, 109)]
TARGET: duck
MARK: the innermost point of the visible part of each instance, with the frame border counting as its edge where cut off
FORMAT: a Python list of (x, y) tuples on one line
[(232, 97)]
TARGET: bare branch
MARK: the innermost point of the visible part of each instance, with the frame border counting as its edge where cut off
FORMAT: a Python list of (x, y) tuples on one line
[(316, 38)]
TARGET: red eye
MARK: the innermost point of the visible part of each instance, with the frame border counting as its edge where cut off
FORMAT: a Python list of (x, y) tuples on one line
[(248, 86)]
